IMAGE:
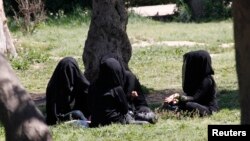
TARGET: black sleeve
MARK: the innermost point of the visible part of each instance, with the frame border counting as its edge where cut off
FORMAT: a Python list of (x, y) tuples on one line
[(141, 99), (201, 92), (120, 97), (133, 84), (50, 110)]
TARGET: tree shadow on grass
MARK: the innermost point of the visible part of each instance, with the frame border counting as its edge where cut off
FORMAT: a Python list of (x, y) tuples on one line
[(155, 98), (165, 18), (227, 99)]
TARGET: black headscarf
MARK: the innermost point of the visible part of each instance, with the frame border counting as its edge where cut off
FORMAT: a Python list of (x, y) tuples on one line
[(66, 85), (196, 66), (68, 71), (129, 80), (116, 57), (111, 74), (109, 103)]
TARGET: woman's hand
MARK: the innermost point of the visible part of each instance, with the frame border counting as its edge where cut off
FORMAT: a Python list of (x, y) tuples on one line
[(174, 98), (134, 94)]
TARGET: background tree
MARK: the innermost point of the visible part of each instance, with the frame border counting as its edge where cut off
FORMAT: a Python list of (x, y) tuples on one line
[(6, 42), (21, 118), (107, 34), (197, 7), (241, 11)]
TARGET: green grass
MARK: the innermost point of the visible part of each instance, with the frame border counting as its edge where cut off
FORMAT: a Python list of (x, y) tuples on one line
[(157, 66)]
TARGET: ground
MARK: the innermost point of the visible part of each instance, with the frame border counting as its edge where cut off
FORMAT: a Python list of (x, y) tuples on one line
[(153, 98)]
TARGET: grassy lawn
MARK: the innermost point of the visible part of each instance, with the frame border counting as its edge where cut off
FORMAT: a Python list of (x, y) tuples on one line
[(157, 66)]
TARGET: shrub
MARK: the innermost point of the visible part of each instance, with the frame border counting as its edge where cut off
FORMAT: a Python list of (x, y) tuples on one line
[(30, 14), (184, 13), (217, 9), (77, 17), (66, 5), (212, 10)]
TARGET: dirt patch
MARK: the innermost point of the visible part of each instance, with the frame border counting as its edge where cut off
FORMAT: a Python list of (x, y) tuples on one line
[(227, 45), (155, 97)]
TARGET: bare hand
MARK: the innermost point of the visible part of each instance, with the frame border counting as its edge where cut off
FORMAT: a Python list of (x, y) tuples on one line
[(134, 94), (174, 98)]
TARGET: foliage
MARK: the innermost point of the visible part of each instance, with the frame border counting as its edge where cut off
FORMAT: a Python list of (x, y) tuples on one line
[(184, 12), (77, 16), (217, 9), (66, 5), (29, 15), (214, 10)]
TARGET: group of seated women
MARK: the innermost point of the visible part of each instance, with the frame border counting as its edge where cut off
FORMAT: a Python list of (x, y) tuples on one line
[(116, 96)]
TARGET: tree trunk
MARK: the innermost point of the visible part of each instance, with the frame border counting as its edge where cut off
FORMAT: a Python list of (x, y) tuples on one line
[(21, 119), (241, 12), (107, 34), (6, 42), (197, 8)]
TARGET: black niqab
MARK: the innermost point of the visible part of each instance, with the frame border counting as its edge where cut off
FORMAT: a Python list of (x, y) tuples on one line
[(109, 102), (66, 85), (196, 66), (111, 74)]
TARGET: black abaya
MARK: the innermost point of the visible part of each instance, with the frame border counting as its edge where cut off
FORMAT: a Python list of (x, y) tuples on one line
[(138, 105), (109, 103), (198, 84), (66, 91)]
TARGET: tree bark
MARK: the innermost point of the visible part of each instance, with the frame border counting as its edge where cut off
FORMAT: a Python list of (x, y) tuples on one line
[(22, 120), (197, 8), (107, 34), (241, 12), (6, 42)]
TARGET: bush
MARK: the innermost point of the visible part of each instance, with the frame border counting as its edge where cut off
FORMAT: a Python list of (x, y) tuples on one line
[(184, 13), (78, 16), (212, 10), (50, 5), (66, 5), (217, 9), (30, 13)]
